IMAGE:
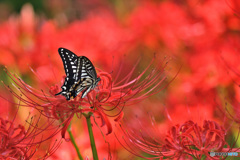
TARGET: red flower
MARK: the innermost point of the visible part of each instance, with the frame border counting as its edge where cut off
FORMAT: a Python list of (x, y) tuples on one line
[(23, 141), (181, 141), (192, 139), (11, 138), (108, 100)]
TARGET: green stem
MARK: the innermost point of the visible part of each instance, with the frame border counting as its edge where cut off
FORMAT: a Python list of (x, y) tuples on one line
[(92, 141), (74, 143)]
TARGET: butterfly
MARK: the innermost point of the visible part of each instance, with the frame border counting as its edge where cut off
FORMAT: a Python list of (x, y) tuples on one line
[(80, 75)]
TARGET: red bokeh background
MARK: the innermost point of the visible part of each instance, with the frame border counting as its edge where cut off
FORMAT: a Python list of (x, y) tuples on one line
[(201, 37)]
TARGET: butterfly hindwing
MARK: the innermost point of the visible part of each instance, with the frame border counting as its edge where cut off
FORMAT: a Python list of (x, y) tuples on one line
[(86, 68), (86, 85), (90, 69)]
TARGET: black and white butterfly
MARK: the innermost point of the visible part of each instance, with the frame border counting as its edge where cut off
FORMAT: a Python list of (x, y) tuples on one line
[(80, 72)]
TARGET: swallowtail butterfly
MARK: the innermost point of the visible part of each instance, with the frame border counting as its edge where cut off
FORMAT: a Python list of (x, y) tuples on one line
[(80, 72)]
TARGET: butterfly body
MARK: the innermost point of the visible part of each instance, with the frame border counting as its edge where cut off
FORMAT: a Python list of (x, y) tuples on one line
[(80, 75)]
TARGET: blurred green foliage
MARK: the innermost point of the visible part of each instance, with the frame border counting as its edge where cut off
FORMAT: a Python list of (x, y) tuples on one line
[(16, 5)]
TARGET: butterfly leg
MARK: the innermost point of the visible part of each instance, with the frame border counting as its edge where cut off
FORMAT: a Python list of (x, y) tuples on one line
[(58, 93)]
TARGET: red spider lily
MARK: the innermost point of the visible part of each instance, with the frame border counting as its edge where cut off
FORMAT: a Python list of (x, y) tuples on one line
[(188, 140), (192, 139), (106, 101), (10, 136), (23, 141)]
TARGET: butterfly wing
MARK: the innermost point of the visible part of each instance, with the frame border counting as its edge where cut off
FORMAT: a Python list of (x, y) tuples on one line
[(85, 68), (90, 69), (87, 76), (69, 60)]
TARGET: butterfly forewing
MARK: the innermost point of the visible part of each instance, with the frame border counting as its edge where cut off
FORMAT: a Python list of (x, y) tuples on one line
[(70, 66), (69, 61)]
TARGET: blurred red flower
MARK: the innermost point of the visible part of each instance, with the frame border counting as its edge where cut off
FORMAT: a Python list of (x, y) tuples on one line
[(194, 140), (182, 141), (24, 140), (108, 100), (11, 138)]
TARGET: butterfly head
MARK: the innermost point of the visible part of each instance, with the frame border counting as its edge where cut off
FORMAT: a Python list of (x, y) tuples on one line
[(96, 82)]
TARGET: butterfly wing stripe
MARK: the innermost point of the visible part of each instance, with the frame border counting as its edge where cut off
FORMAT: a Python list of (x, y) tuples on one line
[(86, 92), (79, 70), (84, 74), (80, 89)]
